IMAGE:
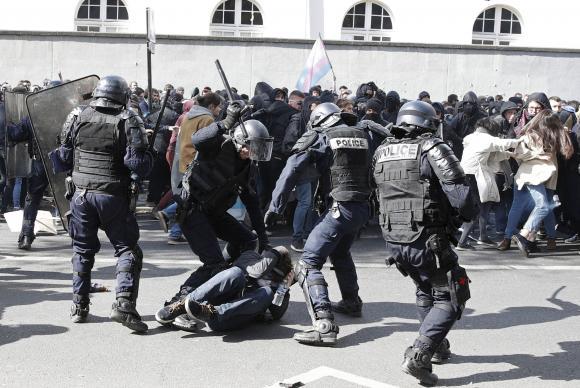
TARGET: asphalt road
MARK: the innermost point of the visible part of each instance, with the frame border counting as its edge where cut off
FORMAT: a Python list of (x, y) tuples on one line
[(520, 329)]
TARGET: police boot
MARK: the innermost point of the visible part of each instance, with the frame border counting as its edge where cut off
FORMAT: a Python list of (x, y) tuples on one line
[(124, 312), (322, 333), (352, 307), (417, 363), (25, 242), (79, 311), (442, 353)]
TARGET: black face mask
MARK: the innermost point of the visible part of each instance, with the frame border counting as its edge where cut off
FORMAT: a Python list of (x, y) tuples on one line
[(469, 108), (371, 116)]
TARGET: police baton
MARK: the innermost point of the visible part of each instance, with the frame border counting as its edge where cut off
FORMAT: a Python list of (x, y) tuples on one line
[(230, 94)]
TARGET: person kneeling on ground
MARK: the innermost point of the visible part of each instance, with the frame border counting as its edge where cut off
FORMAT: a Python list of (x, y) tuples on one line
[(236, 296)]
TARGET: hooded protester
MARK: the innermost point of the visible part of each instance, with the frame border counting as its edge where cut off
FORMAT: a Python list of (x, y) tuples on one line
[(374, 107), (449, 137), (364, 93), (392, 106), (276, 119), (536, 103), (464, 123), (315, 91), (264, 91), (506, 119)]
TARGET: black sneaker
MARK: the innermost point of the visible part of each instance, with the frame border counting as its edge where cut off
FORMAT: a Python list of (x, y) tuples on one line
[(202, 312), (465, 247), (352, 307), (322, 333), (163, 220), (123, 311), (442, 353), (571, 240), (25, 242), (168, 313), (176, 241), (297, 245), (522, 243), (79, 312), (417, 363)]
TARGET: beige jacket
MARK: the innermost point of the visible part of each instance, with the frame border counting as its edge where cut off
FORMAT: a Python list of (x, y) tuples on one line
[(536, 166)]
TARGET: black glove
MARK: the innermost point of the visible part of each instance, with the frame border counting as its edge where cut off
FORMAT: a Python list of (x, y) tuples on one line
[(269, 218), (233, 114)]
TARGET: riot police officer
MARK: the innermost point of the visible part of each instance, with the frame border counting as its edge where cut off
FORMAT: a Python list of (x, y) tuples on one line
[(222, 170), (338, 156), (103, 144), (421, 190), (37, 181)]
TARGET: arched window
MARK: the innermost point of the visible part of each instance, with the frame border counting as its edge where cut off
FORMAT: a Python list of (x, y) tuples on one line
[(102, 16), (367, 21), (237, 18), (496, 26)]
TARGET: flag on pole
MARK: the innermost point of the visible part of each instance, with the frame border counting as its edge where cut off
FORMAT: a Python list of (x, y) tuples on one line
[(316, 67)]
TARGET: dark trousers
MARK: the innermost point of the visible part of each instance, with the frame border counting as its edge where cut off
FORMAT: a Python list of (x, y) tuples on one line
[(202, 231), (159, 179), (89, 212), (332, 237), (269, 173), (37, 183), (434, 307), (234, 308)]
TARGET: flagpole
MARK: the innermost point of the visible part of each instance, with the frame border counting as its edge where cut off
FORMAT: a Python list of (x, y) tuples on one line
[(149, 77), (330, 63)]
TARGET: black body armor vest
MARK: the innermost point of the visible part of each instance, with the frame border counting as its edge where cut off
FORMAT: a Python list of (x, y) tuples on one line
[(99, 148), (215, 184), (349, 173), (408, 202)]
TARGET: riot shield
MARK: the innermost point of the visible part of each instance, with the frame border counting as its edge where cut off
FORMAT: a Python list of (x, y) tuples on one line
[(18, 161), (48, 111)]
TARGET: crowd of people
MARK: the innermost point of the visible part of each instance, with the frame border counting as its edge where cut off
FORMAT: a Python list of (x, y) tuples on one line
[(500, 171)]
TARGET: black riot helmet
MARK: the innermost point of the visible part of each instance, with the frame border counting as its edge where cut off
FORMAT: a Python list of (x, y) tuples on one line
[(417, 114), (111, 91), (256, 139), (53, 83)]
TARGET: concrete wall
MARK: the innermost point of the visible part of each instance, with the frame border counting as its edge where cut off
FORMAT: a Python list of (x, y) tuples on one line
[(188, 61)]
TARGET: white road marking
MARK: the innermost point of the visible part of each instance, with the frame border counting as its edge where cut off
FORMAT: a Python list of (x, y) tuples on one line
[(472, 267), (324, 371)]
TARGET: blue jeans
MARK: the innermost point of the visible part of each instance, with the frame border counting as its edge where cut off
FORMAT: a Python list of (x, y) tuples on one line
[(543, 206), (175, 231), (16, 193), (233, 310), (303, 215), (521, 205)]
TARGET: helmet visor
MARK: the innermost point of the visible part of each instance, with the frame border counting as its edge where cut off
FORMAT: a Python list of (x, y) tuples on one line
[(260, 148)]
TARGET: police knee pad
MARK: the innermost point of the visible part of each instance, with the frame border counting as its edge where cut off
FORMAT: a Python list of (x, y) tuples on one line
[(301, 270), (82, 264)]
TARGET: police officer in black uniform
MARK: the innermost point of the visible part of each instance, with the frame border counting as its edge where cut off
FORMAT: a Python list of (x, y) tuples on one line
[(222, 170), (421, 190), (103, 144), (338, 156), (37, 181)]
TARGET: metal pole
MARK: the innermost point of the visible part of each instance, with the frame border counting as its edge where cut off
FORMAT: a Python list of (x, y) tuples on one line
[(149, 78)]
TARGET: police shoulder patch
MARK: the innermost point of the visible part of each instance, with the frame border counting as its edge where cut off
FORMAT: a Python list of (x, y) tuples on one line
[(397, 151), (305, 141)]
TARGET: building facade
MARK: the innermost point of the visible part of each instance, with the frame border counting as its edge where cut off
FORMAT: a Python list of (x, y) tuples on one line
[(522, 23)]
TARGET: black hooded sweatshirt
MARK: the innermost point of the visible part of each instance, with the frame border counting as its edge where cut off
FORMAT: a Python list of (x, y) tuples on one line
[(464, 123)]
